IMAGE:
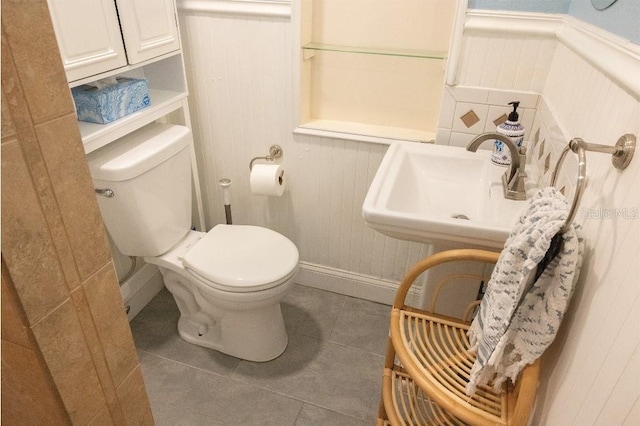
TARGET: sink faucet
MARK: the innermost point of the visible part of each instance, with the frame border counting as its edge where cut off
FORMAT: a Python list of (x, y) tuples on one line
[(513, 179)]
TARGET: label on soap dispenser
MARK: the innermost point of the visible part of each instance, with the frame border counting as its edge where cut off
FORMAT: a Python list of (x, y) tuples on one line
[(514, 131)]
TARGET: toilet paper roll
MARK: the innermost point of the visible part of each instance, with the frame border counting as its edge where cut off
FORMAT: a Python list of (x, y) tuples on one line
[(267, 179)]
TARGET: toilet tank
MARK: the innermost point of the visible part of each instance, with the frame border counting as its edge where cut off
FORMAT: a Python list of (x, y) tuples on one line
[(149, 172)]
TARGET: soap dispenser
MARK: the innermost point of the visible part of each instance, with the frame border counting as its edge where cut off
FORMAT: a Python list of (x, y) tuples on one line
[(514, 131)]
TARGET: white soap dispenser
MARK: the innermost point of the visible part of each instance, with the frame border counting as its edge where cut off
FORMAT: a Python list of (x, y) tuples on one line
[(514, 131)]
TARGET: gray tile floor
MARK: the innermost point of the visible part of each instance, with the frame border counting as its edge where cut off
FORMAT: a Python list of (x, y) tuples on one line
[(330, 373)]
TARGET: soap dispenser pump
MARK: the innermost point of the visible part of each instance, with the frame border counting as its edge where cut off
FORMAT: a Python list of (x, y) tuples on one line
[(514, 131)]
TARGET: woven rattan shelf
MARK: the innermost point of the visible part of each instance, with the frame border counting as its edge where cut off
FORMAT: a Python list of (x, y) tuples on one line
[(411, 405), (428, 364)]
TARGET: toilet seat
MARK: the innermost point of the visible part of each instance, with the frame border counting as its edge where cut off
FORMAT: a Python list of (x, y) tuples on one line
[(242, 258)]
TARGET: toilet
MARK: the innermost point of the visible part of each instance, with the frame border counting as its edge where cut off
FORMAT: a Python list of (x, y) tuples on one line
[(228, 282)]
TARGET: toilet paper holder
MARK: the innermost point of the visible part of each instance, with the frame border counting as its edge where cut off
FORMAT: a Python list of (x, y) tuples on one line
[(274, 152)]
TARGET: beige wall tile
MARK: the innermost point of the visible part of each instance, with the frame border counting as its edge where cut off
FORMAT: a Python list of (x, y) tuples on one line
[(36, 166), (8, 128), (28, 393), (97, 353), (13, 328), (67, 167), (37, 58), (134, 400), (27, 247), (52, 240), (68, 358), (109, 317), (103, 418)]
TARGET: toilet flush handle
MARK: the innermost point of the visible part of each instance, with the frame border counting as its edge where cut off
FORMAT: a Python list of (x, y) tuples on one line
[(106, 192)]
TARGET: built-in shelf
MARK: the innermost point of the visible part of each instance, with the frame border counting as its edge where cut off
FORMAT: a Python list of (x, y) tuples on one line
[(363, 132), (163, 102), (376, 51), (353, 85)]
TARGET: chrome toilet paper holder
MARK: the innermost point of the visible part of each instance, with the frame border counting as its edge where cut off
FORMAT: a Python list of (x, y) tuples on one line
[(275, 151)]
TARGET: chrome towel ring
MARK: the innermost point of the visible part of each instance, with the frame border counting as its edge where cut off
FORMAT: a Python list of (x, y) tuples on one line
[(621, 156)]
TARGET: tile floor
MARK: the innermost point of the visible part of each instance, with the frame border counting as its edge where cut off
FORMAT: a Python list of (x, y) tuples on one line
[(330, 373)]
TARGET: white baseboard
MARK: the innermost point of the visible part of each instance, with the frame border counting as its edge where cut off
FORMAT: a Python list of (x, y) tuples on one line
[(138, 290), (350, 283)]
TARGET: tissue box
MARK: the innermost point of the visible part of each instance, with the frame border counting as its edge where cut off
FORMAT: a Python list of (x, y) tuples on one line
[(104, 105)]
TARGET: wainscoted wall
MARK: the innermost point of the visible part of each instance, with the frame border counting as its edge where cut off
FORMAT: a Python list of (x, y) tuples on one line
[(241, 99), (590, 376), (240, 75), (587, 90)]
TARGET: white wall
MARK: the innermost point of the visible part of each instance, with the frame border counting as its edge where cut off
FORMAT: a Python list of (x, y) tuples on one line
[(240, 77), (590, 374)]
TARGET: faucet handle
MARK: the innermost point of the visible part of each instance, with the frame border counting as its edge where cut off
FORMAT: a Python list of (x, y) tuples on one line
[(523, 161)]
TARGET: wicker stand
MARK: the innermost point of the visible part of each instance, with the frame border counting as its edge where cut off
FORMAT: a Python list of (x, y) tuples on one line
[(428, 363)]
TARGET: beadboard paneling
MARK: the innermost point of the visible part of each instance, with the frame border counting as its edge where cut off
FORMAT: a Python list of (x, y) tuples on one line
[(590, 374), (511, 63), (240, 79)]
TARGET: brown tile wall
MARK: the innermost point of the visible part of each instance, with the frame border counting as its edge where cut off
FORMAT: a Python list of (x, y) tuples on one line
[(67, 352)]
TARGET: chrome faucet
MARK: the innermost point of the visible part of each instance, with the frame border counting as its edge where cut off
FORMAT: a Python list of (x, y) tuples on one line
[(513, 179)]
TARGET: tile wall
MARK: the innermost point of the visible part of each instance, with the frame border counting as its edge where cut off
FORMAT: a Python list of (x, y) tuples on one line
[(468, 111), (66, 342)]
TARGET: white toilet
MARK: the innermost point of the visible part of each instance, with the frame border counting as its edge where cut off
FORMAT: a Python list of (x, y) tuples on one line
[(228, 282)]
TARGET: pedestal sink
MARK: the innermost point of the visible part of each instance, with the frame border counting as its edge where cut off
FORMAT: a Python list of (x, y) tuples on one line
[(440, 194), (447, 197)]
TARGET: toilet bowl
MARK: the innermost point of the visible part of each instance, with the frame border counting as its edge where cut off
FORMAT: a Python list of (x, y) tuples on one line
[(228, 283), (238, 311)]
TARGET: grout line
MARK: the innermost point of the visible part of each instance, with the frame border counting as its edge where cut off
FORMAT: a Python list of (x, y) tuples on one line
[(253, 385), (232, 372)]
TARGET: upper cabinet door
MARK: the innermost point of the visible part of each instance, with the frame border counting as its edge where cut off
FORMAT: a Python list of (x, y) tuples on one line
[(88, 36), (149, 28)]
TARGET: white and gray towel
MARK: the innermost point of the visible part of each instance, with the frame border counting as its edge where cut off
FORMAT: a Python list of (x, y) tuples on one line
[(518, 318)]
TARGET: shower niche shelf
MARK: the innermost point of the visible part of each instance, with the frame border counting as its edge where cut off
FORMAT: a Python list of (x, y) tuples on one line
[(372, 73)]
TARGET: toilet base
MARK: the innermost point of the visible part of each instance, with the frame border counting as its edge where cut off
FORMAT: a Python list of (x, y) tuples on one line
[(257, 336), (252, 331)]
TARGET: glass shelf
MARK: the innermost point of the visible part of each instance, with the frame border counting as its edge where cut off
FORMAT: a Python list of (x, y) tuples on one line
[(375, 51)]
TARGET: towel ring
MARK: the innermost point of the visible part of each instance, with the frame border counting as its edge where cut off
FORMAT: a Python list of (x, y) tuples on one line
[(575, 146), (621, 153)]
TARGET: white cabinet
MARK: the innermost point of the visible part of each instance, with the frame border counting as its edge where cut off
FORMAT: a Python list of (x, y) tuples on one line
[(88, 36), (90, 33), (148, 27)]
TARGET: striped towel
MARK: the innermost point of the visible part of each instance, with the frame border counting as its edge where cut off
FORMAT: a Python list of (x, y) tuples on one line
[(519, 317)]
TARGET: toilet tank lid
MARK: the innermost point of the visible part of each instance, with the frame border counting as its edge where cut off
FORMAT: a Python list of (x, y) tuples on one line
[(138, 152)]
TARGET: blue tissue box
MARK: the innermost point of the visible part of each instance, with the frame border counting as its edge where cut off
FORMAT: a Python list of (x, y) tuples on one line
[(111, 103)]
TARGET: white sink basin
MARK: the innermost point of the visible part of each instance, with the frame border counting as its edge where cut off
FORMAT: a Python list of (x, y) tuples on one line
[(435, 193)]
